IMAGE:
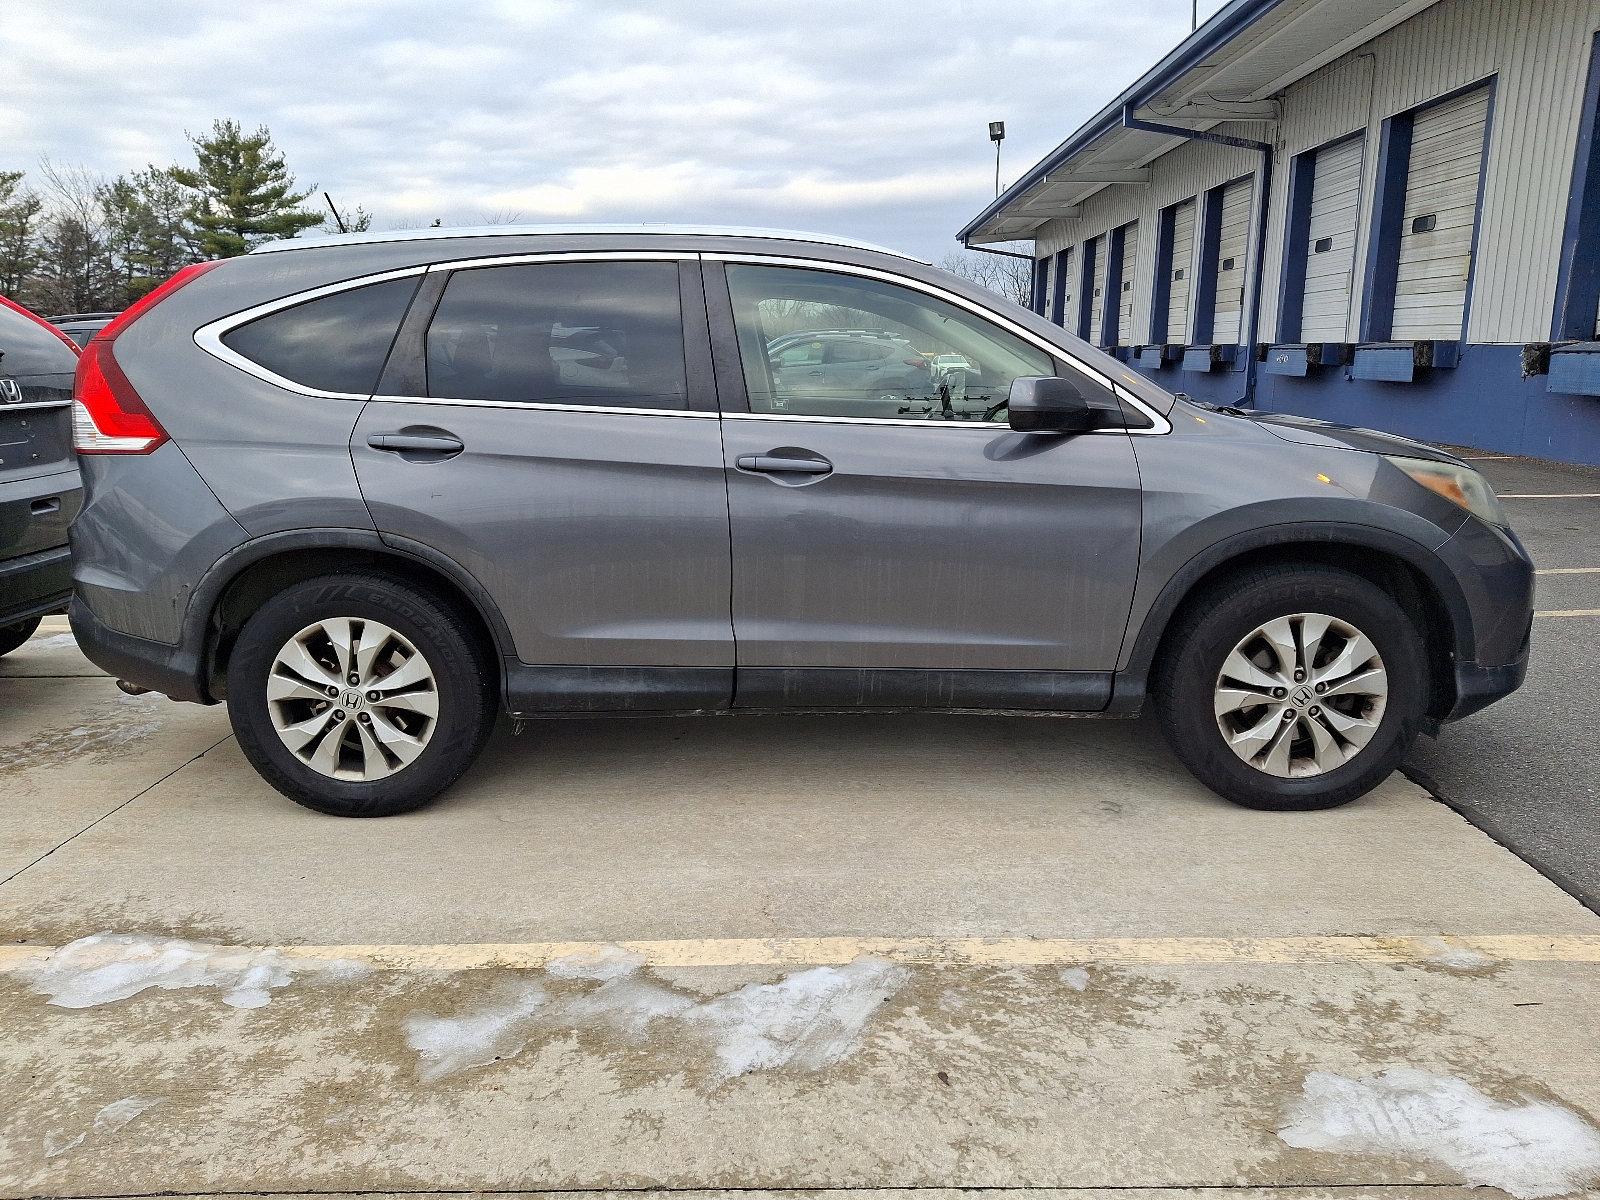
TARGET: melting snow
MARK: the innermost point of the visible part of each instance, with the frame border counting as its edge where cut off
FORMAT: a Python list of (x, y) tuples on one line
[(812, 1018), (608, 962), (57, 641), (476, 1038), (1457, 958), (108, 967), (1076, 978), (1531, 1149), (108, 1120)]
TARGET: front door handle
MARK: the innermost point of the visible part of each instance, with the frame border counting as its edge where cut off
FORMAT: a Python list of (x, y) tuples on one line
[(776, 464), (417, 443)]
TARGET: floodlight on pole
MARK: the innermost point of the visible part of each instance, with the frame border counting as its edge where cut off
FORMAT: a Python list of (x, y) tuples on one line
[(997, 134)]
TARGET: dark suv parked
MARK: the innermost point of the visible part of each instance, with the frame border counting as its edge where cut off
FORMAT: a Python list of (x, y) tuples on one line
[(39, 488), (374, 489)]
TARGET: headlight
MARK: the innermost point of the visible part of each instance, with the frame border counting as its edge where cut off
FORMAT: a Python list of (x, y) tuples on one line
[(1459, 485)]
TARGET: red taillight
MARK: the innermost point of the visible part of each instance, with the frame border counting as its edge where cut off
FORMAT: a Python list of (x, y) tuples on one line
[(38, 320), (108, 415)]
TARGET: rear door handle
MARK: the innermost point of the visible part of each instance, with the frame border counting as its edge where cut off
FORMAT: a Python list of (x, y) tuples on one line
[(417, 443), (42, 508), (773, 464)]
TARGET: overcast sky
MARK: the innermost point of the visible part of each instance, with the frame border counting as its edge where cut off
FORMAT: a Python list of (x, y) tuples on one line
[(862, 117)]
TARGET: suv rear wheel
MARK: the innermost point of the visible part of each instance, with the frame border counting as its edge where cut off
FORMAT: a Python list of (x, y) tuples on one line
[(359, 695), (1293, 687)]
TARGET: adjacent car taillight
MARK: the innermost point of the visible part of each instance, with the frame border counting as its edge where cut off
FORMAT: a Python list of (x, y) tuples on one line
[(108, 416)]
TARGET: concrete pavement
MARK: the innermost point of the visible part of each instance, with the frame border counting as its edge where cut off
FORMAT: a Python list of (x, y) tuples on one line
[(1047, 959)]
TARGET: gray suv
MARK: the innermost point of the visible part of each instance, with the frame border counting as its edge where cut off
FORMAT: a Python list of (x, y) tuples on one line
[(374, 489)]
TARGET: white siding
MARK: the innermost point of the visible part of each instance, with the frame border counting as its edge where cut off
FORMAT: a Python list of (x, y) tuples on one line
[(1130, 277), (1182, 273), (1331, 243), (1097, 292), (1232, 252), (1442, 190)]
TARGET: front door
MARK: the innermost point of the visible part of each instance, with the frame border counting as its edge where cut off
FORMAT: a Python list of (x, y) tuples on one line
[(932, 559), (556, 435)]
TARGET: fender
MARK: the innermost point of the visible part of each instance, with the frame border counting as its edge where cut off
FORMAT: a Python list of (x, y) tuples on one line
[(196, 628), (1146, 627)]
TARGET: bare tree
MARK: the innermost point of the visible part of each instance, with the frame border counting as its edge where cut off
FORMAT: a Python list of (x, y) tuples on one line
[(1001, 274)]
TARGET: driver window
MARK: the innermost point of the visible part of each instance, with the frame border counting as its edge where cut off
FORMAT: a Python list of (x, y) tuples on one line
[(820, 344)]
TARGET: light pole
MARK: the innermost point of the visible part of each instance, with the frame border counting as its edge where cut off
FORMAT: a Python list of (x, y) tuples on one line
[(997, 134)]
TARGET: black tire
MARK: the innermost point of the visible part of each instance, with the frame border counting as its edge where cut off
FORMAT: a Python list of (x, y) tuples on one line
[(13, 636), (462, 673), (1213, 623)]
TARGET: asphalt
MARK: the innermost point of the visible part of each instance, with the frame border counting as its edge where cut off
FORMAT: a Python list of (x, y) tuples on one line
[(803, 953), (1527, 770)]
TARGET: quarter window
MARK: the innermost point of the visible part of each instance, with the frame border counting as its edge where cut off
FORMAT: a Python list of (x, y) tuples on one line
[(608, 334), (818, 343), (336, 343)]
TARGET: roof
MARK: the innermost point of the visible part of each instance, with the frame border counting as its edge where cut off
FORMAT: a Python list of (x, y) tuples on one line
[(541, 230), (1227, 71)]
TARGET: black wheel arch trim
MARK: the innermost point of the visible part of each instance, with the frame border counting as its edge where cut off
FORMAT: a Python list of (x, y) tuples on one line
[(1141, 645), (197, 632)]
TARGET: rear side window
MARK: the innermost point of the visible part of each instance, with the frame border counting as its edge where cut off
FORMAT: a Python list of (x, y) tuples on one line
[(336, 343), (608, 334)]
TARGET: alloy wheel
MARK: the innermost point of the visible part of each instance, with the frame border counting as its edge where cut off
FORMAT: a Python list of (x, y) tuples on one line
[(352, 699), (1301, 695)]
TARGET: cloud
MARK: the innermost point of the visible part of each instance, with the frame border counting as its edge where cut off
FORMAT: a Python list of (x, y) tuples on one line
[(864, 119)]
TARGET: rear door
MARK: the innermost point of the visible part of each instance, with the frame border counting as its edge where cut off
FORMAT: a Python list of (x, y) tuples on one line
[(943, 561), (552, 428)]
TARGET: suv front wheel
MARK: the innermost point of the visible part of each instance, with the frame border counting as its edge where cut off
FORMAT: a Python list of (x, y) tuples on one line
[(359, 695), (1293, 687)]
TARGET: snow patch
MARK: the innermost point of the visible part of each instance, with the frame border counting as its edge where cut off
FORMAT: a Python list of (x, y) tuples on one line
[(477, 1037), (56, 641), (607, 962), (108, 1120), (1457, 958), (1532, 1149), (107, 967), (1076, 978), (811, 1018)]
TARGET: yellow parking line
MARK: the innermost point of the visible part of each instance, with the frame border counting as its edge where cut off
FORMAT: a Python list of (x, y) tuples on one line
[(994, 952), (1569, 612)]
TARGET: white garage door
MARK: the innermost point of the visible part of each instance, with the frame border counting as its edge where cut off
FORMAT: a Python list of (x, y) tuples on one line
[(1063, 288), (1097, 293), (1441, 211), (1129, 276), (1331, 243), (1231, 250), (1181, 265)]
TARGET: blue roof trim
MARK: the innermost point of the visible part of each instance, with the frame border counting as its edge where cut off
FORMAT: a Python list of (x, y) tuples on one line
[(1216, 33)]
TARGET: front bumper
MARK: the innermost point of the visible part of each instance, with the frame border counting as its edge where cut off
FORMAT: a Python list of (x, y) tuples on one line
[(1478, 686), (171, 670)]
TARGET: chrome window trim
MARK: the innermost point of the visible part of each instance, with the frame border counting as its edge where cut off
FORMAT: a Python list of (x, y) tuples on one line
[(546, 406), (545, 256), (209, 337), (1160, 424)]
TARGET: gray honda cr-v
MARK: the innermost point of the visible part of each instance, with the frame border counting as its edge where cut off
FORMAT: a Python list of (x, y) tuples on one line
[(372, 489)]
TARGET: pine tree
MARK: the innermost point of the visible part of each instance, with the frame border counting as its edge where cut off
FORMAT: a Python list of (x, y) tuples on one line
[(19, 232), (242, 193)]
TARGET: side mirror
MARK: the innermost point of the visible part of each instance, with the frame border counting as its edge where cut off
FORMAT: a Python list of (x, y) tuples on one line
[(1058, 404)]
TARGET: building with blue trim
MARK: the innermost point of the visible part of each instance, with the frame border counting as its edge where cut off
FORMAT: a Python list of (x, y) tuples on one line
[(1379, 212)]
